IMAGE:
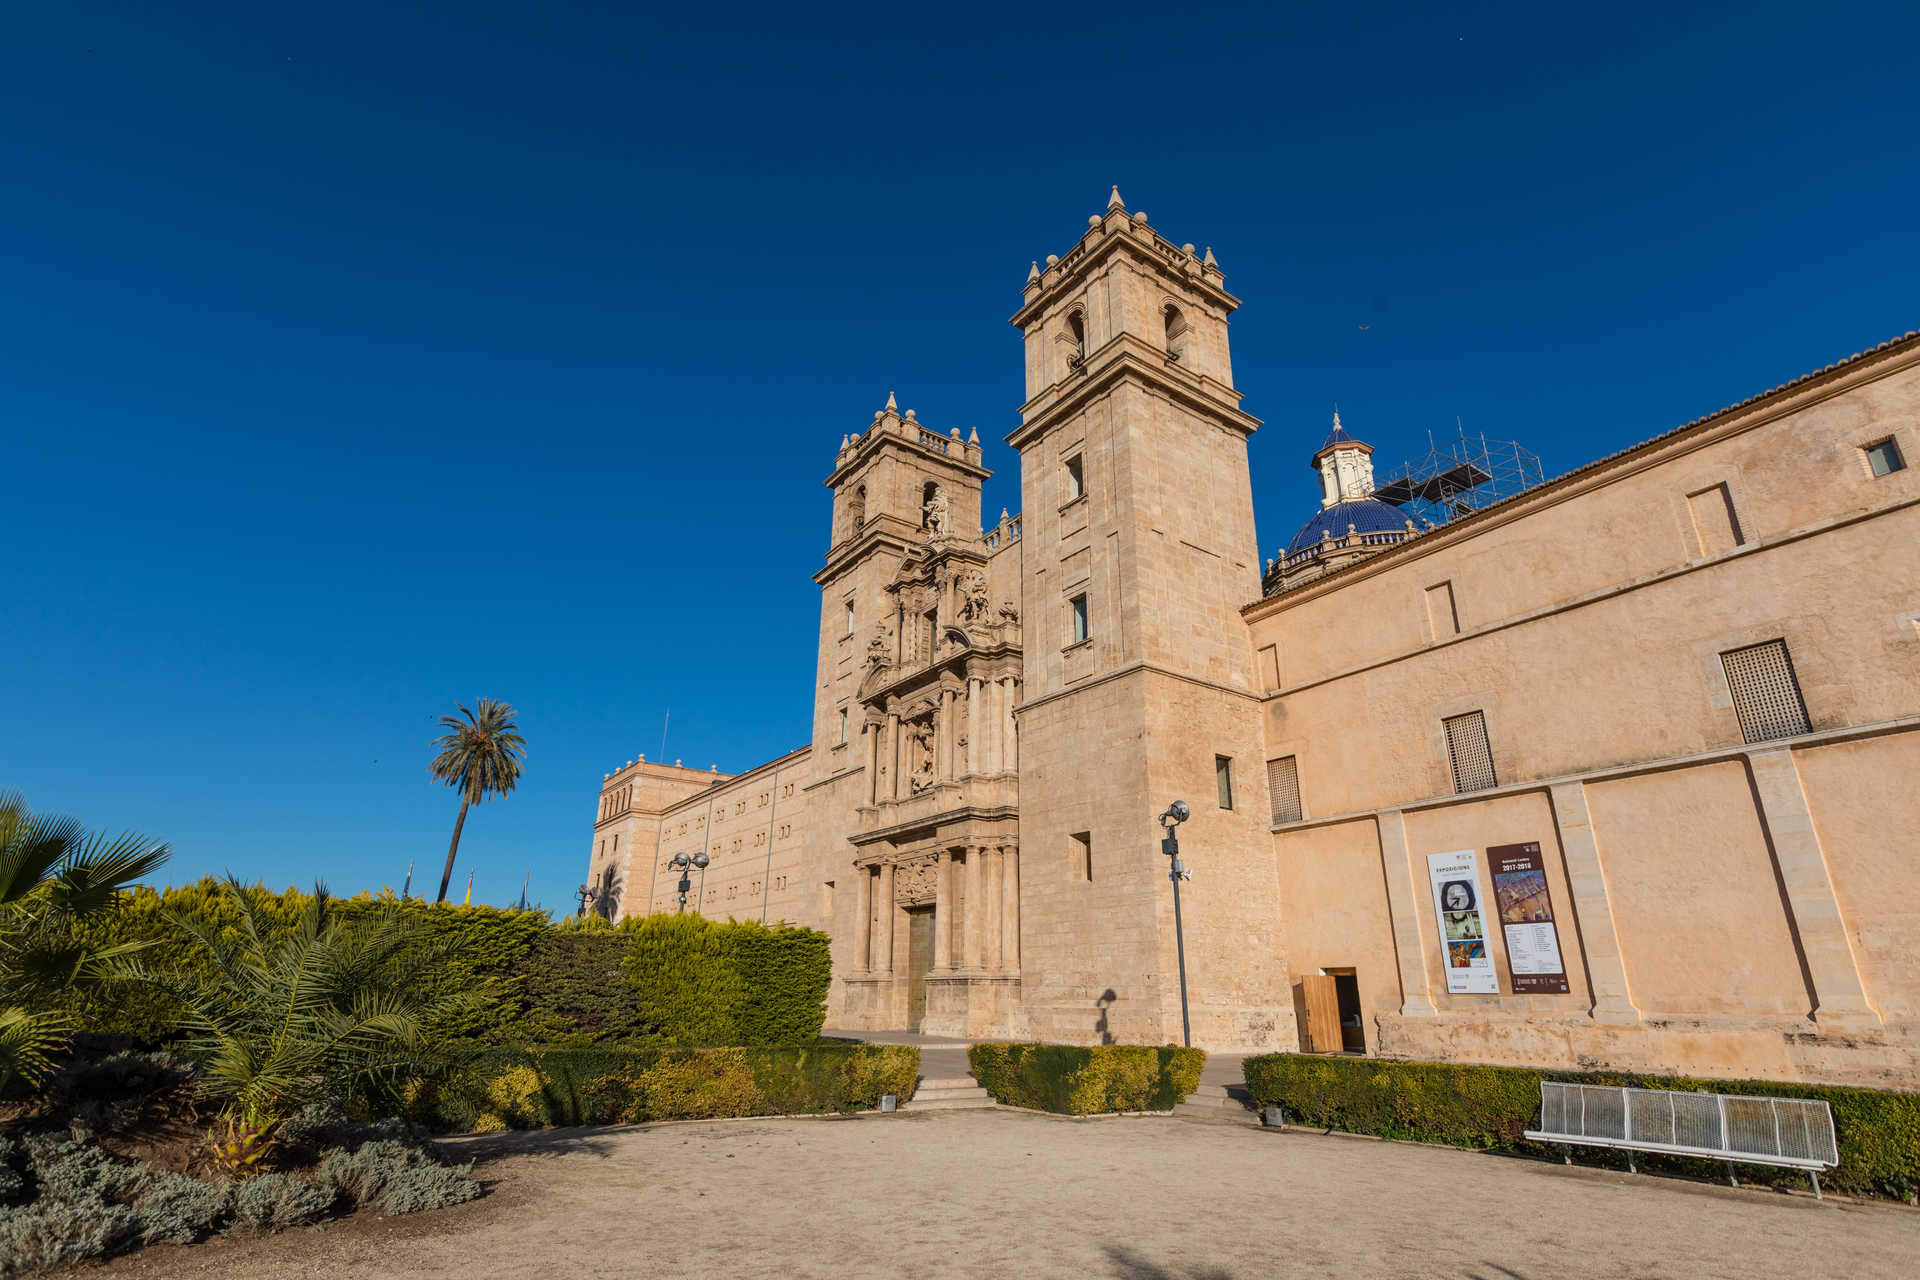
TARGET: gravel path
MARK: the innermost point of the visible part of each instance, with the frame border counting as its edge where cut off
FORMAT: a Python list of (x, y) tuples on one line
[(1001, 1193)]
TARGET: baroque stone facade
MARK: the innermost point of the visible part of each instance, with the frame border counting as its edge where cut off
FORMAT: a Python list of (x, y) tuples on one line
[(1687, 676)]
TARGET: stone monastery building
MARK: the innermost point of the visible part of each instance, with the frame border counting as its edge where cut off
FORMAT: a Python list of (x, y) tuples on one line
[(1623, 770)]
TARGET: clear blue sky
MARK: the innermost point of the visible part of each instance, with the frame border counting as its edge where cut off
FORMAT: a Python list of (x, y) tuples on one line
[(359, 359)]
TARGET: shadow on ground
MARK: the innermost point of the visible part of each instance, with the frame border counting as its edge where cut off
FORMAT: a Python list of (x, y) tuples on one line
[(1131, 1266)]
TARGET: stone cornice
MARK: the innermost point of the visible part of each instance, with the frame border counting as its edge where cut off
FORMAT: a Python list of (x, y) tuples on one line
[(1127, 357), (876, 441), (947, 817), (1847, 375), (1149, 668)]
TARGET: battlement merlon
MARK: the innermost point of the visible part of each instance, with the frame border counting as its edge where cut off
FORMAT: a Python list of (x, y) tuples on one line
[(1120, 231), (906, 429)]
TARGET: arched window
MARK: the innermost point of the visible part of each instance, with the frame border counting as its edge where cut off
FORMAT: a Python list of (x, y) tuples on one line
[(1176, 331), (1077, 327), (857, 510)]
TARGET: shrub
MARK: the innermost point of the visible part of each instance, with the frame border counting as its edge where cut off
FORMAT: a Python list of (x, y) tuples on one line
[(397, 1176), (90, 1205), (172, 1206), (576, 988), (121, 1092), (708, 982), (48, 1232), (1076, 1080), (1492, 1107), (13, 1185), (631, 1084), (275, 1201)]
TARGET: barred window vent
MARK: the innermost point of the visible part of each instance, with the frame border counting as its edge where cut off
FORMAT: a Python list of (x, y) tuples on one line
[(1469, 753), (1283, 784), (1766, 696)]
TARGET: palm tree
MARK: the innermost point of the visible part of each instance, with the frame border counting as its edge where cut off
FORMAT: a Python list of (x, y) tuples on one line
[(54, 877), (481, 757), (281, 1017)]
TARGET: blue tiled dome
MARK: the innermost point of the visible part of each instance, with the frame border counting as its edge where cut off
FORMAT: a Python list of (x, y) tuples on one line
[(1367, 515)]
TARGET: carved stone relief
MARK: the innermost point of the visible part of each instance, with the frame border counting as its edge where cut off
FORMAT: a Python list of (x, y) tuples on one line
[(913, 882)]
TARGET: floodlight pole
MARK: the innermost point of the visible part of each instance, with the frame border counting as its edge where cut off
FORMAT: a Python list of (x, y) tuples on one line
[(1176, 872)]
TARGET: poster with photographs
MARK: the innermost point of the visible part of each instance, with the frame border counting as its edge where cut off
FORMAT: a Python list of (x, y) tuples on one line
[(1526, 918), (1463, 923)]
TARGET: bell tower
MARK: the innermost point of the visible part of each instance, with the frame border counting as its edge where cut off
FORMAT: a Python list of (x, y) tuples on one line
[(1139, 553)]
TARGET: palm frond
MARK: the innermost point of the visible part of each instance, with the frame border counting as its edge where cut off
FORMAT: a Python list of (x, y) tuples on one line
[(95, 873), (32, 845), (28, 1040)]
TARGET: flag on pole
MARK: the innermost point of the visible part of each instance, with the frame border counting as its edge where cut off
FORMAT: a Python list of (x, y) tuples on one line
[(469, 901), (405, 887), (524, 886)]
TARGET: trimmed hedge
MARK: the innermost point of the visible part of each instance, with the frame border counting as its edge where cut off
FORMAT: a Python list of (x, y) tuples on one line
[(527, 1089), (1492, 1107), (496, 947), (712, 982), (1078, 1081), (680, 978)]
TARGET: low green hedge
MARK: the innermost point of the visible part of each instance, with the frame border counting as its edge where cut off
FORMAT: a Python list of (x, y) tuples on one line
[(1492, 1107), (1079, 1081), (610, 1084)]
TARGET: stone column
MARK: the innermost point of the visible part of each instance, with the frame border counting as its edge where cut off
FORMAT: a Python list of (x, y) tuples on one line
[(974, 721), (1599, 940), (1839, 997), (990, 911), (863, 922), (1010, 910), (976, 908), (994, 749), (873, 764), (1404, 903), (943, 912), (1009, 735), (893, 755), (943, 769), (886, 918)]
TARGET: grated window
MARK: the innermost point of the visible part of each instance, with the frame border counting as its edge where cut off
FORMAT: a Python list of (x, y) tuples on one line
[(1766, 696), (1283, 783), (1467, 748)]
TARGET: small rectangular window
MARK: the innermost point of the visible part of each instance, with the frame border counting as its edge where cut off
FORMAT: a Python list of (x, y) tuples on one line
[(843, 724), (1442, 616), (1078, 607), (616, 842), (1283, 783), (1076, 482), (849, 630), (1223, 779), (1884, 458), (1766, 695), (1080, 855), (1716, 527), (1469, 752)]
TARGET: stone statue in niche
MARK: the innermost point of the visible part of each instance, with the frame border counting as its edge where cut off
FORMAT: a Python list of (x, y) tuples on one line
[(920, 754), (934, 514), (880, 646), (973, 597)]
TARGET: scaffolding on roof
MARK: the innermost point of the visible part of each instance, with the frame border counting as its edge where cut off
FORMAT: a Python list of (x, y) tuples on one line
[(1460, 477)]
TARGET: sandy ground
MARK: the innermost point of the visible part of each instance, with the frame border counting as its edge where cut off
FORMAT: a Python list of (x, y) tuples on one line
[(1001, 1193)]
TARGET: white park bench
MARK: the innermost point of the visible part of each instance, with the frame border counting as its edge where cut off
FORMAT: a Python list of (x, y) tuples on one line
[(1791, 1132)]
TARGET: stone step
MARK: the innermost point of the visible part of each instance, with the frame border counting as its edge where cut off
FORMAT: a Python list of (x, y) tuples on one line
[(946, 1104), (1221, 1103), (947, 1093)]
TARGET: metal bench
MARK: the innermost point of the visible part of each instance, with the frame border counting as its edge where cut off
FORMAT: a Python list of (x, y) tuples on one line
[(1790, 1132)]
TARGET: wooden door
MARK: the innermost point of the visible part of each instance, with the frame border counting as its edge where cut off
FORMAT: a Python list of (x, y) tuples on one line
[(1320, 998), (919, 960)]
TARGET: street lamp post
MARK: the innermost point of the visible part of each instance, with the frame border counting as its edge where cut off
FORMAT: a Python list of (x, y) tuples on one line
[(683, 862), (1177, 813)]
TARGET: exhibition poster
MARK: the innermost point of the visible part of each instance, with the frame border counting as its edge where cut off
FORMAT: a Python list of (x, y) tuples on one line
[(1463, 927), (1526, 918)]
